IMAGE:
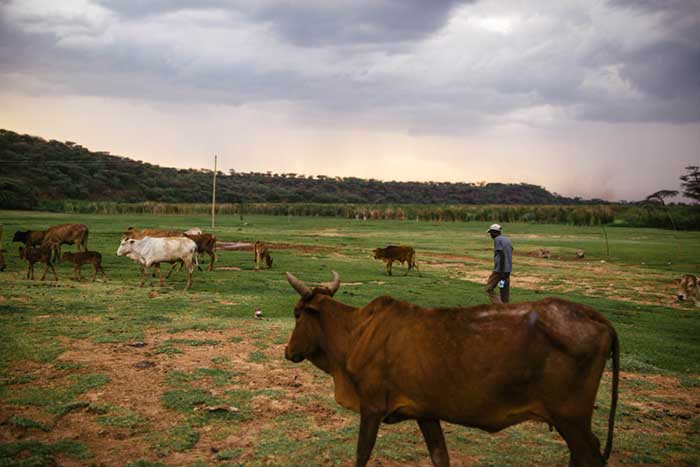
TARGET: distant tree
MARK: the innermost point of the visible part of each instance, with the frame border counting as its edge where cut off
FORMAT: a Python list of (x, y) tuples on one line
[(691, 182), (659, 197)]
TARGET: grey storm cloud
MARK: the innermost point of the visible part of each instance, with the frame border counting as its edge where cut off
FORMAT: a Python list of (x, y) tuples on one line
[(316, 22), (431, 65)]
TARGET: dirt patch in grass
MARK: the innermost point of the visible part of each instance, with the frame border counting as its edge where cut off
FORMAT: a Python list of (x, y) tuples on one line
[(280, 402), (618, 282)]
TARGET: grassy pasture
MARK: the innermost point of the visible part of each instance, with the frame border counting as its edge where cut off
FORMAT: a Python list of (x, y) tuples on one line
[(109, 373)]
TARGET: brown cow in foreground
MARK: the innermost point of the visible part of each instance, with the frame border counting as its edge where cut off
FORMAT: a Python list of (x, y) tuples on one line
[(37, 255), (65, 234), (488, 367), (689, 289), (401, 254)]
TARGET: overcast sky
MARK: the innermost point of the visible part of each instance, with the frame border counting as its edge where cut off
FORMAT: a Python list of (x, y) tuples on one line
[(587, 98)]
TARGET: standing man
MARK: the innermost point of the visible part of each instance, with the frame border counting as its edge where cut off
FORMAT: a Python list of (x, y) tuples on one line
[(502, 266)]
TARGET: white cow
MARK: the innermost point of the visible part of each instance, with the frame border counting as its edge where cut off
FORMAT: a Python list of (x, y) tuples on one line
[(151, 251)]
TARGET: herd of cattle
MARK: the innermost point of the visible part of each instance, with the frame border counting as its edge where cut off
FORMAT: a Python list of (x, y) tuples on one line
[(148, 248)]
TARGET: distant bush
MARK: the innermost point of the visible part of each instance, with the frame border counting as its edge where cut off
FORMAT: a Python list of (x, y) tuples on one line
[(15, 194)]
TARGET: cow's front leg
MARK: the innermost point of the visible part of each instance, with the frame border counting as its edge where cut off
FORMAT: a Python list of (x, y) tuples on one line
[(369, 426), (388, 267), (144, 276), (434, 439), (160, 274)]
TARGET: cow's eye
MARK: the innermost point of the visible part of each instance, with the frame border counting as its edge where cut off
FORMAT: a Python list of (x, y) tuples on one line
[(131, 241)]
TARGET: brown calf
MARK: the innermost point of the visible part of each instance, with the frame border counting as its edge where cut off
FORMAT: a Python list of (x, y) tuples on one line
[(37, 255), (85, 257), (402, 254), (65, 234), (262, 254), (206, 243)]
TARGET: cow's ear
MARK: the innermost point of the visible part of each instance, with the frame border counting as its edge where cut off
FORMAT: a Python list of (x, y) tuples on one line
[(677, 281), (312, 308)]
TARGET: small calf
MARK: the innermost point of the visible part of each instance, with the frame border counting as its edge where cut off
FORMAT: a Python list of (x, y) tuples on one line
[(37, 255), (262, 254), (206, 243), (85, 257)]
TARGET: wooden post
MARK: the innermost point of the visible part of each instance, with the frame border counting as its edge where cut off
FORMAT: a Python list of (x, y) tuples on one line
[(213, 196), (607, 245)]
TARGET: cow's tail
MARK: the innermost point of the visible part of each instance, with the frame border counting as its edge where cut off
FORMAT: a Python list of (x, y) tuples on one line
[(615, 357), (196, 259)]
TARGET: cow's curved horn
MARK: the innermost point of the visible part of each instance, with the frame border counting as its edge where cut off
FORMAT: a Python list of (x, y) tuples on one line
[(333, 287), (298, 285)]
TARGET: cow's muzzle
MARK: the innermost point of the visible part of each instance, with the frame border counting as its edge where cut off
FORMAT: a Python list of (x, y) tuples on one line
[(681, 297), (296, 358)]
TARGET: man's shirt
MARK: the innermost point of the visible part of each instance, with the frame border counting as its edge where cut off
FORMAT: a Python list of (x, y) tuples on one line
[(502, 244)]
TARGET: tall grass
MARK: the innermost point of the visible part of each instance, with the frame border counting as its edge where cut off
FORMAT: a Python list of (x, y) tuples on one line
[(573, 215), (629, 215)]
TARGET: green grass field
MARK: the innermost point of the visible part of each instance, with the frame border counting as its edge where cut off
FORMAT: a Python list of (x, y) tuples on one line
[(77, 387)]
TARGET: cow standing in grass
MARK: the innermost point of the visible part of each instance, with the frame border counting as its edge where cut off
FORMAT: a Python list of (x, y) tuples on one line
[(151, 251), (402, 254), (65, 234), (29, 237), (262, 256), (488, 367), (37, 255), (82, 258), (206, 243)]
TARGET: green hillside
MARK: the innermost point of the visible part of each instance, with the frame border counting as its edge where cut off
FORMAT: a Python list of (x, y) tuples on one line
[(35, 169)]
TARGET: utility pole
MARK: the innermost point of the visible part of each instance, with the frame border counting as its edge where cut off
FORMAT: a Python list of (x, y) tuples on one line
[(213, 195)]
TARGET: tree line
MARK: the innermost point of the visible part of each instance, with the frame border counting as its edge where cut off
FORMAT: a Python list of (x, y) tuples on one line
[(66, 177), (35, 169)]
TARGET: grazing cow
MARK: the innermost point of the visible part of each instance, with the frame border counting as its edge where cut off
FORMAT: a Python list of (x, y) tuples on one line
[(65, 234), (37, 255), (29, 237), (206, 243), (262, 255), (397, 253), (85, 257), (689, 289), (151, 251), (132, 232), (541, 253), (488, 367)]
